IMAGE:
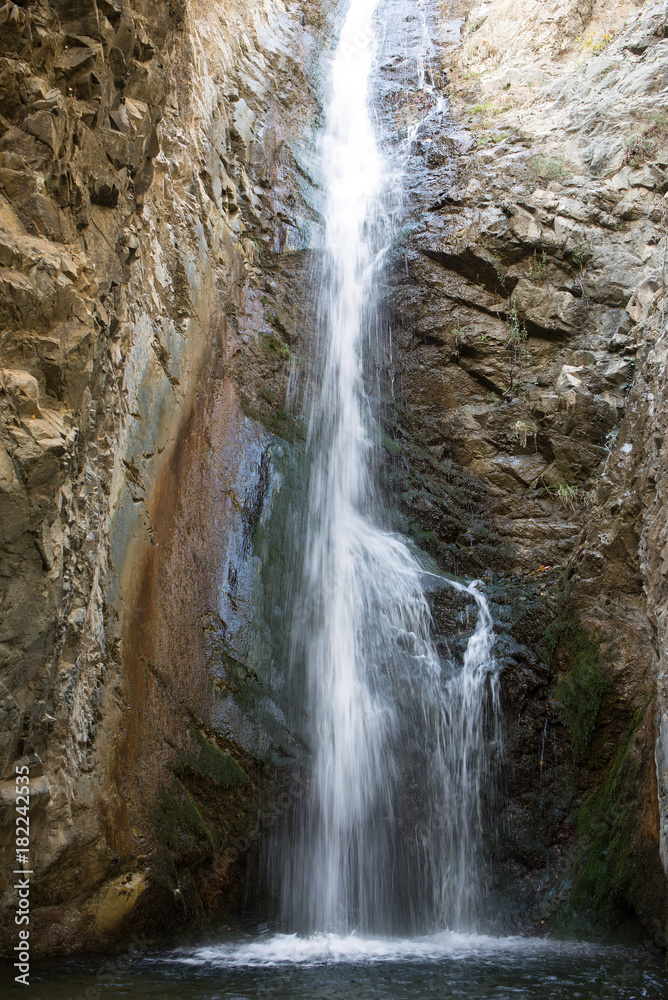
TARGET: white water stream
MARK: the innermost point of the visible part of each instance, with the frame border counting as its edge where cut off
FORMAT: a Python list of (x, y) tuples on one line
[(388, 835)]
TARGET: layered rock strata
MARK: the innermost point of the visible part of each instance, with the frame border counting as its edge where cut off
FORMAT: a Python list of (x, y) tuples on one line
[(154, 203), (528, 296)]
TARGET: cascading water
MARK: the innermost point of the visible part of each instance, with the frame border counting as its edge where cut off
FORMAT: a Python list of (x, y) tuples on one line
[(388, 830)]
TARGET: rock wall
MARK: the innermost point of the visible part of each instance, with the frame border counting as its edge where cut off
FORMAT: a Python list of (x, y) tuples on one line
[(158, 206), (528, 446), (155, 203)]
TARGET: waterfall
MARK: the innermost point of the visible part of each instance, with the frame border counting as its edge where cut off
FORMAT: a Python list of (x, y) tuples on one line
[(387, 833)]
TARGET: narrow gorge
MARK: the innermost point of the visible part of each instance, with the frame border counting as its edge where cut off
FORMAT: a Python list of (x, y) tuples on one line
[(334, 493)]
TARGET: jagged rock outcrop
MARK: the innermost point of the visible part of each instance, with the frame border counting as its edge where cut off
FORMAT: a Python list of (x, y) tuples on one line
[(154, 201), (528, 297)]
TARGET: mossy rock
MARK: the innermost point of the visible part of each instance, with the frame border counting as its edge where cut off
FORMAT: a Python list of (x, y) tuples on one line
[(181, 826), (213, 763), (581, 691), (615, 886), (607, 825), (272, 344), (276, 420)]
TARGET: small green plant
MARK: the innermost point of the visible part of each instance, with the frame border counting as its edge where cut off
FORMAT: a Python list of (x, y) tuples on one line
[(274, 345), (589, 497), (497, 267), (550, 168), (487, 113), (538, 264), (253, 249), (517, 336), (567, 495), (611, 437), (583, 255), (517, 329), (493, 137), (639, 149), (523, 430), (458, 335)]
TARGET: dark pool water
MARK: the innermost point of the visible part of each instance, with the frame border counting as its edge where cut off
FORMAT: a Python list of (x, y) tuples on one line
[(285, 967)]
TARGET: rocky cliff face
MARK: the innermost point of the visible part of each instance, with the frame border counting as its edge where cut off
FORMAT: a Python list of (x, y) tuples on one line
[(529, 307), (158, 208), (154, 203)]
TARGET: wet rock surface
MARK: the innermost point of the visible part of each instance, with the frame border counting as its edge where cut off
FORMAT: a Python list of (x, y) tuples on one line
[(156, 198), (527, 301)]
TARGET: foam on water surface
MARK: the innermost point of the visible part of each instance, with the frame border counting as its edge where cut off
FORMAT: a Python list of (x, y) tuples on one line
[(324, 949)]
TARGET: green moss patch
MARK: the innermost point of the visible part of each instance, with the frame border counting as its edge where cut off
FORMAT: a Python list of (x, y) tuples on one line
[(181, 824), (608, 828), (276, 420), (274, 345), (551, 168), (213, 763), (581, 691)]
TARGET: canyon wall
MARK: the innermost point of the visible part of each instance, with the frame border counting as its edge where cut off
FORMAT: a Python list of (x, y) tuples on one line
[(158, 220), (528, 446), (156, 200)]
